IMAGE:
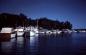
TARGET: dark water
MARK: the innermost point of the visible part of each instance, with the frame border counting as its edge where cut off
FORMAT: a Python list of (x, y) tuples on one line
[(63, 44)]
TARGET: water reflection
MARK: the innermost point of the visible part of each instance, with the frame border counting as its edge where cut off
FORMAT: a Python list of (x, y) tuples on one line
[(34, 45), (62, 44)]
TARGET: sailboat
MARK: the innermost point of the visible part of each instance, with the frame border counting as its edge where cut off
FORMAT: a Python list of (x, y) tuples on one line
[(34, 31), (19, 31)]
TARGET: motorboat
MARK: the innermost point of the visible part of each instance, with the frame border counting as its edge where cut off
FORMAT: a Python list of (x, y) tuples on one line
[(6, 33), (19, 31)]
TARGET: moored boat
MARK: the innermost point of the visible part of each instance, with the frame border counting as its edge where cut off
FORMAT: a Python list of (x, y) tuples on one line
[(5, 33)]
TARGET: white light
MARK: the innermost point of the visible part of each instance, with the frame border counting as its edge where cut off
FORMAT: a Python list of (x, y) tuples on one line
[(59, 32), (15, 29), (36, 30), (20, 29), (48, 32), (82, 31), (32, 33)]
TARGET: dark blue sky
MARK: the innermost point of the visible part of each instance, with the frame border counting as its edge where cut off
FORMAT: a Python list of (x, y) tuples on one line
[(62, 10)]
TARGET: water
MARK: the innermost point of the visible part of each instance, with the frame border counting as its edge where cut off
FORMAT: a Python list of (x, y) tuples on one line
[(63, 44)]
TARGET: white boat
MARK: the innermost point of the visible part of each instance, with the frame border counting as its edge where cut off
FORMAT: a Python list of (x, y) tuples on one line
[(34, 30), (5, 33), (32, 33), (19, 31)]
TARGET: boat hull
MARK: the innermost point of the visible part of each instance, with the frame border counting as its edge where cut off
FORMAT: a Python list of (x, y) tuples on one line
[(5, 36)]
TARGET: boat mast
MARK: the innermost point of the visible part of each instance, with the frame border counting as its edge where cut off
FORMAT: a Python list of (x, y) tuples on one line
[(37, 23)]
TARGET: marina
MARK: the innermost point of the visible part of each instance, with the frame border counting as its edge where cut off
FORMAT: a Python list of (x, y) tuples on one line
[(42, 27), (31, 31), (62, 44)]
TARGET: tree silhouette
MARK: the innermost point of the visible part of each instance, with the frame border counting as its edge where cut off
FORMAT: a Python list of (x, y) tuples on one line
[(13, 20)]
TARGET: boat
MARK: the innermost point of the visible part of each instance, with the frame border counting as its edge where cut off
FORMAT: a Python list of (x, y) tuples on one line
[(32, 33), (6, 33), (34, 30), (19, 31)]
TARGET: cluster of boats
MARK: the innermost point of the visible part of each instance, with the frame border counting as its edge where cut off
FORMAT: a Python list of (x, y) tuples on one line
[(8, 32)]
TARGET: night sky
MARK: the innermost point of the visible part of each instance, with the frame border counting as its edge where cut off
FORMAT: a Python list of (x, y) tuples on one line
[(62, 10)]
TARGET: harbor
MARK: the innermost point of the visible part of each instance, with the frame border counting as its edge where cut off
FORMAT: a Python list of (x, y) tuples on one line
[(67, 44), (9, 32)]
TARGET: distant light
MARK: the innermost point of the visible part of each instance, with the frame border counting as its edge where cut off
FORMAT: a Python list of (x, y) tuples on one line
[(59, 32), (83, 31)]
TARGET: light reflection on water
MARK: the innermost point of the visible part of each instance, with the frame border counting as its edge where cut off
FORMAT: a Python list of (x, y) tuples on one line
[(34, 45), (63, 44)]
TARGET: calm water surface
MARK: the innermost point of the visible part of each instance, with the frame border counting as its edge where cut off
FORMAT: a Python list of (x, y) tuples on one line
[(63, 44)]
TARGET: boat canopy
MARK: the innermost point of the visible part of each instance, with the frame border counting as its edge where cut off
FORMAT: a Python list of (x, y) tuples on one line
[(6, 30)]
